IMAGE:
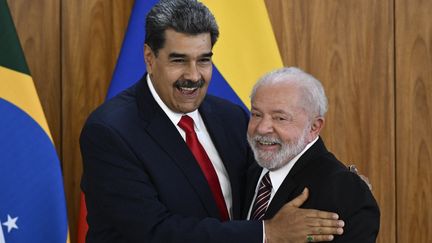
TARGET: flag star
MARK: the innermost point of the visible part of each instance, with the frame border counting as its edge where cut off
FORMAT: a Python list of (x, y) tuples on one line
[(11, 223)]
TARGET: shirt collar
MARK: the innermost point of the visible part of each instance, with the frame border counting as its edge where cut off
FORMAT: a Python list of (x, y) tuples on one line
[(278, 176), (173, 116)]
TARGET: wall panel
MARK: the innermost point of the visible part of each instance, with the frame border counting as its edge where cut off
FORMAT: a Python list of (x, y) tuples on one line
[(92, 33), (414, 120), (348, 45)]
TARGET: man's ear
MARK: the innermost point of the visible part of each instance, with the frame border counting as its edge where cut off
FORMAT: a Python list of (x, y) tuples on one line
[(149, 58), (316, 126)]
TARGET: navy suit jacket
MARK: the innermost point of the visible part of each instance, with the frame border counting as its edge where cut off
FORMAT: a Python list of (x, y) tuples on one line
[(142, 183), (332, 187)]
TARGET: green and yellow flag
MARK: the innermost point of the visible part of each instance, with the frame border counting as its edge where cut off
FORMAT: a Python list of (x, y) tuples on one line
[(32, 202)]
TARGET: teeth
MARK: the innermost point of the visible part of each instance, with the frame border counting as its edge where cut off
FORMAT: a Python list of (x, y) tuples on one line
[(188, 89), (267, 143)]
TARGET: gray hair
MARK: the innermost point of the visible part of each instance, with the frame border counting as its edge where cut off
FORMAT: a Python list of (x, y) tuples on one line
[(184, 16), (314, 100)]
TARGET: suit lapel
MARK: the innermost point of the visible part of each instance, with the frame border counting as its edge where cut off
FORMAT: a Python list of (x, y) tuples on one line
[(163, 132), (290, 187), (220, 139), (282, 196)]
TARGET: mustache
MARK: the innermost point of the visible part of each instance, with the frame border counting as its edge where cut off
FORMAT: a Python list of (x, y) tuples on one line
[(264, 139), (187, 83)]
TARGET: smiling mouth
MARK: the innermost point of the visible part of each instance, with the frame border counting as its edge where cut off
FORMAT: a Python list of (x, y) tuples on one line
[(264, 143), (188, 87), (187, 91)]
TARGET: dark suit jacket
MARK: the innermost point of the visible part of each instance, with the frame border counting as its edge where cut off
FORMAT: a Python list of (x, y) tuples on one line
[(142, 183), (331, 188)]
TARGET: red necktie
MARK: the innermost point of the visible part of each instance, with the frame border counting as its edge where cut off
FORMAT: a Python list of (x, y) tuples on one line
[(187, 124), (262, 199)]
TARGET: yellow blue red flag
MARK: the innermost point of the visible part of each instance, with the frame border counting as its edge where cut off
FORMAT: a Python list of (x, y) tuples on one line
[(32, 202)]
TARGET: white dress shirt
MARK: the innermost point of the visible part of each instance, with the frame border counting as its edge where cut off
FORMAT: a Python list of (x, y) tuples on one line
[(205, 141), (278, 176)]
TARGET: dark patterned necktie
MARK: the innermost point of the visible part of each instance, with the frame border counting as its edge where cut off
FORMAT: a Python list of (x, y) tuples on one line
[(262, 199)]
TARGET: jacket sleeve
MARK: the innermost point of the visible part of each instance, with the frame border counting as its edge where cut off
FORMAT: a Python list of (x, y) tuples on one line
[(346, 194)]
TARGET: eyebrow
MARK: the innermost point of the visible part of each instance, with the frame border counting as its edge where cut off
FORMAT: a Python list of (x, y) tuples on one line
[(176, 55), (279, 111), (272, 111), (209, 54), (179, 55)]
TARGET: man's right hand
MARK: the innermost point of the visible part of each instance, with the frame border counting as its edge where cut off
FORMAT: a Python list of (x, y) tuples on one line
[(293, 224)]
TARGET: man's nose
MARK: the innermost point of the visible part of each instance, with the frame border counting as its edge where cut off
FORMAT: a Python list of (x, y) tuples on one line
[(192, 73), (265, 126)]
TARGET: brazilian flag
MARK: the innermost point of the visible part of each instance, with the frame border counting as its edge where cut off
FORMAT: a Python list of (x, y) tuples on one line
[(32, 202)]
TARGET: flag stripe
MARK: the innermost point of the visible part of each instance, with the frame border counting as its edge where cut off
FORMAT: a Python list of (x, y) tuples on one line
[(130, 65), (221, 88), (247, 47), (19, 89)]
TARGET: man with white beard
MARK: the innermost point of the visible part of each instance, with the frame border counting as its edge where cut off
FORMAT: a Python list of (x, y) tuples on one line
[(287, 115)]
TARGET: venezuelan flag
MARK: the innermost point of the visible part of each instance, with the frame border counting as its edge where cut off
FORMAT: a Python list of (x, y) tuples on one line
[(32, 203)]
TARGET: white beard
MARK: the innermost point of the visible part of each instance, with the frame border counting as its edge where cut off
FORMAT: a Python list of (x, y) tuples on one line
[(275, 160)]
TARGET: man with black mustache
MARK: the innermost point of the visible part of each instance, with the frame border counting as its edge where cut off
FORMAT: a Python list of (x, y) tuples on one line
[(164, 162)]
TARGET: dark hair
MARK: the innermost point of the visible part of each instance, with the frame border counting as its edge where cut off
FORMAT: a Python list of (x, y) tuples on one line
[(184, 16)]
